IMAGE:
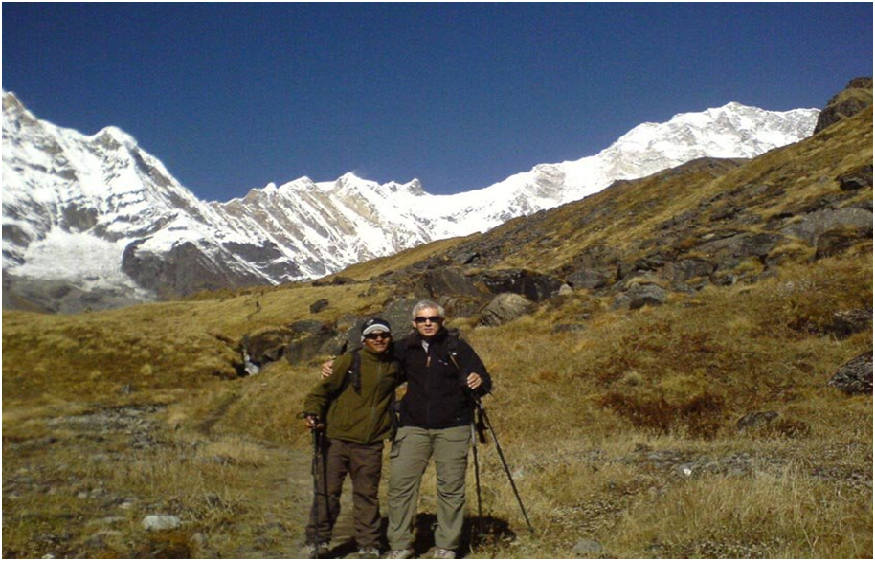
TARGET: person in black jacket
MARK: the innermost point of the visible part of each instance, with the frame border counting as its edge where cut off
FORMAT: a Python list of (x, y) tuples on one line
[(441, 371)]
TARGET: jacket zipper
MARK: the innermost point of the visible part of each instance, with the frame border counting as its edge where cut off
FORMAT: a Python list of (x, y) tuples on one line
[(373, 400)]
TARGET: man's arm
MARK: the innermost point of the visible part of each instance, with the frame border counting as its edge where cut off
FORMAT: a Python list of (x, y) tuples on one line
[(316, 402), (472, 368)]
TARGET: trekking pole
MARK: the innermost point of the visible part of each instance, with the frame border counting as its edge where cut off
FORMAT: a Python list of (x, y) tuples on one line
[(318, 449), (488, 424), (475, 432)]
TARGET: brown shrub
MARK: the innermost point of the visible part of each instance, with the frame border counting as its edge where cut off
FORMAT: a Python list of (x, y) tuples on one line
[(699, 416)]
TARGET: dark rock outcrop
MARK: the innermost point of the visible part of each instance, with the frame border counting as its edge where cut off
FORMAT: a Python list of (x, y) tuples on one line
[(534, 286), (855, 376), (318, 306), (857, 179), (856, 96), (309, 337), (850, 322)]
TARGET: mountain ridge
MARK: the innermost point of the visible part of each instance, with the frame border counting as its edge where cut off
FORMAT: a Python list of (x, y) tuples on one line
[(156, 239)]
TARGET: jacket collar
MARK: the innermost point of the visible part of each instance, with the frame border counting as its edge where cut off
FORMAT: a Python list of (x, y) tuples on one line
[(416, 339)]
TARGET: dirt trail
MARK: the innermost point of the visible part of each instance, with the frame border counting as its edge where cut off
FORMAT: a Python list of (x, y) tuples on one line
[(66, 490)]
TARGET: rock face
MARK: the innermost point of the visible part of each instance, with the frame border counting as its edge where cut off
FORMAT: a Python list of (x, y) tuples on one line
[(856, 96), (855, 377)]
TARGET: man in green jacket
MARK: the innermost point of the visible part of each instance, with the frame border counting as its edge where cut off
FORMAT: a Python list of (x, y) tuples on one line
[(354, 405)]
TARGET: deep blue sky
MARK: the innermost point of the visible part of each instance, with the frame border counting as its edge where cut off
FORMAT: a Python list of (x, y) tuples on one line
[(233, 96)]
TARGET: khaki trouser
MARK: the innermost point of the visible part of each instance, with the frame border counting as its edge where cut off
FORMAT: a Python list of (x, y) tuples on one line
[(411, 451), (363, 463)]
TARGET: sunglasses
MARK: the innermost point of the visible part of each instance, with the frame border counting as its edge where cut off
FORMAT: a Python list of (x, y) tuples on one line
[(374, 336), (433, 319)]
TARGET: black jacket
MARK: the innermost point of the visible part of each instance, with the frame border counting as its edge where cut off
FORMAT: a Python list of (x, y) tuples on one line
[(437, 396)]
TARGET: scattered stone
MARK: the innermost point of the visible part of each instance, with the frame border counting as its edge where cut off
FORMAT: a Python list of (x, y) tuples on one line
[(756, 419), (586, 548), (318, 306), (855, 376), (640, 295), (127, 504), (158, 523), (199, 541), (568, 328), (686, 470), (850, 322)]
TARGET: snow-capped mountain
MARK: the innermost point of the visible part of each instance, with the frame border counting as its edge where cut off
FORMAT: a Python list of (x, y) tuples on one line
[(100, 214)]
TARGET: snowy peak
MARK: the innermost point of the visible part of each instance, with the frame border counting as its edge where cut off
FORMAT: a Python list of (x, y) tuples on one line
[(104, 215)]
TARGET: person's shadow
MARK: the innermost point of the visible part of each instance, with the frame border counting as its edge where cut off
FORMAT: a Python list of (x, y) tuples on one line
[(476, 533)]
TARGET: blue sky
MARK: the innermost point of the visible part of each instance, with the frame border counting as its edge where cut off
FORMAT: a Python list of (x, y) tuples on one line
[(232, 97)]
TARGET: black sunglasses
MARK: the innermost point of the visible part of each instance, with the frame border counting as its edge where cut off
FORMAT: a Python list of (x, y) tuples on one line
[(433, 319), (378, 336)]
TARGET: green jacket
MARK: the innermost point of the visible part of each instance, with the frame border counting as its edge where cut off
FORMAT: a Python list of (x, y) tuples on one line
[(363, 418)]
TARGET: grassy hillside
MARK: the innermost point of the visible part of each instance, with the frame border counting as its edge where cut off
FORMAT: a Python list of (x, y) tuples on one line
[(703, 427)]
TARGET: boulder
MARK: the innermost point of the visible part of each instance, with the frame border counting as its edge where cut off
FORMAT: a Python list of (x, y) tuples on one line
[(854, 180), (837, 241), (741, 245), (399, 314), (534, 286), (504, 308), (855, 376), (463, 307), (447, 281), (640, 295), (588, 278), (318, 306), (813, 224), (159, 523), (309, 337), (587, 548), (850, 322), (687, 269), (267, 345)]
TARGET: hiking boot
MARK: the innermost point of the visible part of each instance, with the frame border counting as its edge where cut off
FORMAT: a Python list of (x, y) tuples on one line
[(368, 553), (314, 551), (400, 554), (444, 554)]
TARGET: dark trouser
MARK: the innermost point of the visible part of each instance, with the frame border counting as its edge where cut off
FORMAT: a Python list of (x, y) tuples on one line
[(364, 464)]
